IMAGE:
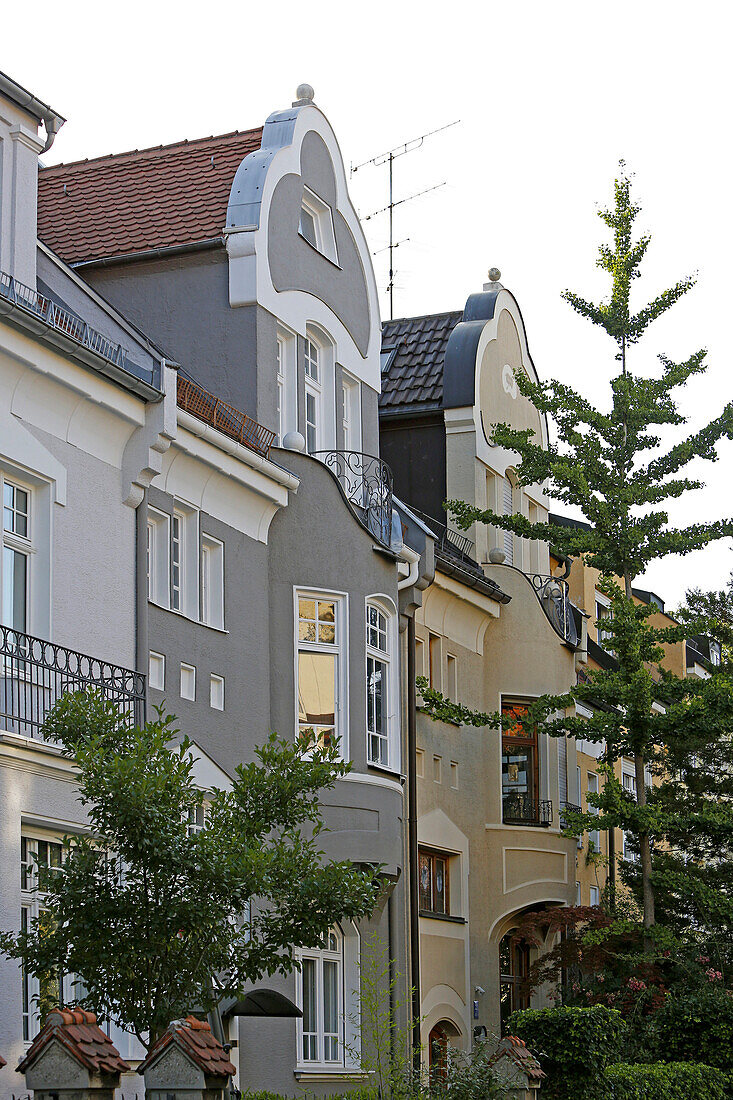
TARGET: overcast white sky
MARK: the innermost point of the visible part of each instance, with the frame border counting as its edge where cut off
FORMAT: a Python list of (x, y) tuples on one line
[(550, 96)]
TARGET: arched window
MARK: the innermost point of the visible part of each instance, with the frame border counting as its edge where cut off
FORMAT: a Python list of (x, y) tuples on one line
[(442, 1037), (313, 396), (382, 738), (321, 989)]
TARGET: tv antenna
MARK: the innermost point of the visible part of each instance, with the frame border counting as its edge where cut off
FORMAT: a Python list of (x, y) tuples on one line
[(389, 158)]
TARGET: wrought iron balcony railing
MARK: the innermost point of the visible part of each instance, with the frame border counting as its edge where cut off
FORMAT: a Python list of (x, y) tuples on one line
[(68, 324), (366, 482), (522, 809), (448, 540), (572, 808), (34, 674), (553, 596), (225, 418)]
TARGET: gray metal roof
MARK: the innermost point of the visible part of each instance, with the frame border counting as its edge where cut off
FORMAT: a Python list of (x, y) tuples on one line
[(413, 350)]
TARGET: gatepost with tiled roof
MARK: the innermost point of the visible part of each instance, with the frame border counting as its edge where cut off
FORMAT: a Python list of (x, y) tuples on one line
[(188, 1057), (72, 1055)]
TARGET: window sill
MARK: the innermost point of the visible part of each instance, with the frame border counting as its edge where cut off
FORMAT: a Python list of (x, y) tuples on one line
[(328, 1073), (442, 916), (383, 769), (334, 263), (188, 618)]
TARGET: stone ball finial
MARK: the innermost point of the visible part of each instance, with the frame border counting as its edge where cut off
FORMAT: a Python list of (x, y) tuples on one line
[(294, 441), (304, 93), (494, 274)]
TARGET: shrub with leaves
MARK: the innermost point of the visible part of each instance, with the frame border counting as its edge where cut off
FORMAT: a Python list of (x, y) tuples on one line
[(660, 1081), (573, 1046)]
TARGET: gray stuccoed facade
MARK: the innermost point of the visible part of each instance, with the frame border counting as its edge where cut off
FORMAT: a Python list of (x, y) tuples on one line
[(260, 587)]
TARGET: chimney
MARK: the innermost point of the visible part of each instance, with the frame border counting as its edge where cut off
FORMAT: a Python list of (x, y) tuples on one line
[(21, 114)]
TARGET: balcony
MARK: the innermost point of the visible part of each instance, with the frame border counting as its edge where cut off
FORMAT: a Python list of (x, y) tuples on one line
[(522, 809), (571, 808), (197, 401), (366, 482), (552, 592), (449, 541), (34, 674)]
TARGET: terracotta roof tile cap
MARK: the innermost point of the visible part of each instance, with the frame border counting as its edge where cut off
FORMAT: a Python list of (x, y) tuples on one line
[(194, 1024)]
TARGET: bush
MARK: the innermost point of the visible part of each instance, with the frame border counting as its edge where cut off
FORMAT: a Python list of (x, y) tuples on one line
[(697, 1027), (573, 1045), (665, 1081)]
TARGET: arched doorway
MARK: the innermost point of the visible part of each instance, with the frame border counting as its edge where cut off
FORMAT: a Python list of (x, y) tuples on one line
[(442, 1037), (513, 969)]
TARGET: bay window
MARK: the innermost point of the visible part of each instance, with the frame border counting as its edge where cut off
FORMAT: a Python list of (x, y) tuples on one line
[(520, 776), (322, 1001), (320, 643)]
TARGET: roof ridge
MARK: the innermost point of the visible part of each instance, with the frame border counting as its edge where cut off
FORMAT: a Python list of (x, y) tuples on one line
[(184, 143), (421, 316)]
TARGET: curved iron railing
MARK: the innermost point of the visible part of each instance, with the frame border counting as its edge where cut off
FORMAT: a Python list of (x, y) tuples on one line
[(367, 482), (519, 809), (553, 596), (34, 674)]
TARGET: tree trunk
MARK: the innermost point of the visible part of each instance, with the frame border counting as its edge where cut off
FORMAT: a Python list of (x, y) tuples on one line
[(644, 845)]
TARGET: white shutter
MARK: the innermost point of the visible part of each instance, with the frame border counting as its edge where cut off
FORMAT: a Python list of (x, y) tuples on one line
[(508, 511)]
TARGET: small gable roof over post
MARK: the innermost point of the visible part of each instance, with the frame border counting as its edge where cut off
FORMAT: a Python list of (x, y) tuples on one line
[(195, 1039), (78, 1033)]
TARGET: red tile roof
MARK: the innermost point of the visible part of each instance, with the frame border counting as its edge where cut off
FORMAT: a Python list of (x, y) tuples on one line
[(515, 1049), (195, 1039), (79, 1033), (148, 198)]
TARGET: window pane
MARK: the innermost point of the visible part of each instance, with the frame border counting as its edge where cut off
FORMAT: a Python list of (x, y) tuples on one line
[(306, 608), (439, 885), (326, 611), (309, 1011), (308, 227), (426, 896), (330, 1011), (15, 569), (317, 695)]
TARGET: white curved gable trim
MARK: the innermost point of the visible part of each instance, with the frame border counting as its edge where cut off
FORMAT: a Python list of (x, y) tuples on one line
[(250, 281)]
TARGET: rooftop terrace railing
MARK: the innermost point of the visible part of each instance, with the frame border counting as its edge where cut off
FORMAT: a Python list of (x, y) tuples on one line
[(68, 324), (35, 674), (205, 406), (448, 539)]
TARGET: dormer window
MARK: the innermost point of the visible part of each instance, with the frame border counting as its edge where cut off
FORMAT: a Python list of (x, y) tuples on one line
[(316, 225)]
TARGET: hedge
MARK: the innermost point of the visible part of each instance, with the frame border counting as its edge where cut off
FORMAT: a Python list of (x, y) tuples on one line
[(665, 1081), (697, 1028)]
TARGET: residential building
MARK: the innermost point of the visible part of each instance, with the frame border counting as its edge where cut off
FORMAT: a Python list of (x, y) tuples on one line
[(275, 573), (494, 632)]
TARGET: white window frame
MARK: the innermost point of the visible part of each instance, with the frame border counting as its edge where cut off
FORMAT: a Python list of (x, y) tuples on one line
[(350, 412), (348, 985), (188, 681), (17, 543), (594, 835), (156, 671), (390, 740), (508, 509), (280, 388), (158, 557), (286, 382), (595, 896), (31, 904), (604, 603), (322, 215), (216, 692), (184, 598), (340, 649), (212, 582), (312, 358)]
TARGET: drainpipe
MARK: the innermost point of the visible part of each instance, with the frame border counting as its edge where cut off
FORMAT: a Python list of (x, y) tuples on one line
[(141, 592), (412, 860)]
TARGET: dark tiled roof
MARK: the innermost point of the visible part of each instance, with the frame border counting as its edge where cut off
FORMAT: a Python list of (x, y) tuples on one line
[(79, 1033), (414, 374), (195, 1039), (148, 198)]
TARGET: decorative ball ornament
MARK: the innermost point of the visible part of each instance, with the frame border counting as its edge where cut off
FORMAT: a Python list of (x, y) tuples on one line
[(497, 556), (304, 92), (494, 274), (294, 441)]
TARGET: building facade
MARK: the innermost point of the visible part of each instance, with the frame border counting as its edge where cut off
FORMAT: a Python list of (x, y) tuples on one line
[(495, 631)]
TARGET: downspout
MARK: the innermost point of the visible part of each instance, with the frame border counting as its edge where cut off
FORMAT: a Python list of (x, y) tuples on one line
[(413, 880), (142, 647)]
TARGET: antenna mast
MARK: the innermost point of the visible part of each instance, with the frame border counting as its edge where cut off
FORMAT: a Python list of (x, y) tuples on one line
[(389, 158)]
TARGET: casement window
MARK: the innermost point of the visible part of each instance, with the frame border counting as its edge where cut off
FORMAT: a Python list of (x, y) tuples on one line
[(216, 692), (350, 412), (313, 397), (381, 697), (280, 382), (188, 682), (17, 549), (184, 561), (320, 668), (578, 894), (156, 671), (434, 886), (593, 788), (519, 767), (451, 678), (195, 818), (508, 510), (316, 224), (603, 611), (39, 858), (212, 582), (322, 1002), (158, 557), (595, 895)]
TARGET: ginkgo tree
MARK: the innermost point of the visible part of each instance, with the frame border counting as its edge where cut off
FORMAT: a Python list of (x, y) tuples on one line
[(610, 464)]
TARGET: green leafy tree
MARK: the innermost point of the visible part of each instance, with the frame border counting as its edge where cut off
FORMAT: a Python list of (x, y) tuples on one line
[(611, 464), (150, 914)]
